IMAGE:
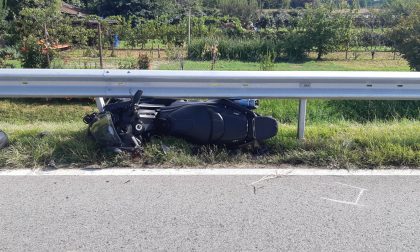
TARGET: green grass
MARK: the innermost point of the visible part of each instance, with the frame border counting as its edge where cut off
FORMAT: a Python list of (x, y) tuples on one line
[(42, 131), (14, 63), (340, 134), (359, 65), (339, 145)]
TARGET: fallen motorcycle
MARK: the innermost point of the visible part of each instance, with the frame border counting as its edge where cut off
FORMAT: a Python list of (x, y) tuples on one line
[(128, 124)]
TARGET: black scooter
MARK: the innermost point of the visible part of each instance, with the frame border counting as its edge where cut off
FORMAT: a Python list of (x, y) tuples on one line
[(127, 124)]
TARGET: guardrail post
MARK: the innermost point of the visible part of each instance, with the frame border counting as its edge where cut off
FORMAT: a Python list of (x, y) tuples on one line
[(302, 118), (100, 103)]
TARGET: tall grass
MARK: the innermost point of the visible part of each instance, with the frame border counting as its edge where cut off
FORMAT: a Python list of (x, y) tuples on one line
[(248, 50), (331, 111)]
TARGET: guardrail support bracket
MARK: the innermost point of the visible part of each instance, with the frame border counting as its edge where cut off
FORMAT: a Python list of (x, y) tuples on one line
[(302, 118), (100, 103)]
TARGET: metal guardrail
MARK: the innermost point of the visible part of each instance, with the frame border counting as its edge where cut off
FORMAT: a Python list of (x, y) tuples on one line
[(211, 84)]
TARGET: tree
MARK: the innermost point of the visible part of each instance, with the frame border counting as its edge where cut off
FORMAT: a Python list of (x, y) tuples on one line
[(148, 9), (348, 33), (406, 38), (286, 4), (3, 25), (322, 29), (37, 21), (16, 6), (395, 10), (300, 3), (245, 10), (38, 28), (140, 8), (34, 55)]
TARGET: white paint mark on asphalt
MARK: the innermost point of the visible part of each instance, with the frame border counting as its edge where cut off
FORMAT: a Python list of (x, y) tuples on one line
[(356, 187), (356, 201), (343, 202), (268, 177), (360, 194), (207, 172)]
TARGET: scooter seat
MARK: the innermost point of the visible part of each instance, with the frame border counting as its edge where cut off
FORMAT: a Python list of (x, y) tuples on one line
[(198, 124)]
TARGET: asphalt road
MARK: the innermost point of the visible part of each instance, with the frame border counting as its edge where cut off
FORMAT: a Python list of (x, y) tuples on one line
[(209, 213)]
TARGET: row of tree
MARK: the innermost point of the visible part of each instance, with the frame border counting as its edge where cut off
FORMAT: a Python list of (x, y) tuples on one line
[(155, 8), (317, 28)]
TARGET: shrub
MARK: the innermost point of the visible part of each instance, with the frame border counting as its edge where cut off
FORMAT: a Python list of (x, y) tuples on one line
[(9, 53), (90, 52), (196, 49), (34, 55), (267, 62), (128, 64), (143, 61), (295, 47), (57, 63)]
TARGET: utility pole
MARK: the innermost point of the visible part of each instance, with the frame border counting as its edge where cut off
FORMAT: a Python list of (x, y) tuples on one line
[(189, 26), (100, 102), (46, 44), (101, 63)]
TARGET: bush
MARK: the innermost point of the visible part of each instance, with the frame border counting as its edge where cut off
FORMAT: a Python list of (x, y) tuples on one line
[(174, 52), (57, 63), (90, 52), (34, 55), (196, 49), (295, 47), (127, 64), (9, 53), (267, 62), (143, 61)]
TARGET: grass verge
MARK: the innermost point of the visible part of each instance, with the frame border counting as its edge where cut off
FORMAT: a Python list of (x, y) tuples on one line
[(45, 133), (340, 145)]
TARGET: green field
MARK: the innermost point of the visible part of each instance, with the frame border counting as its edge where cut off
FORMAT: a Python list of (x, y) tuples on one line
[(333, 62), (340, 134)]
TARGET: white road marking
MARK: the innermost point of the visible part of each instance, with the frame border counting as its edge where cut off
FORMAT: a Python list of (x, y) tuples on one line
[(268, 177), (360, 194), (356, 187), (343, 202), (207, 172), (356, 202)]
